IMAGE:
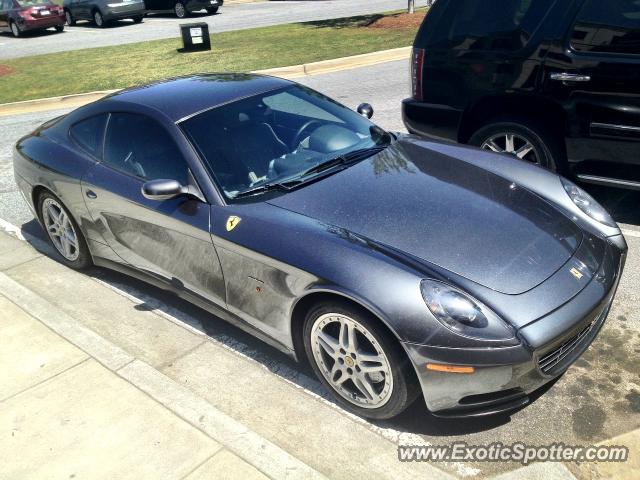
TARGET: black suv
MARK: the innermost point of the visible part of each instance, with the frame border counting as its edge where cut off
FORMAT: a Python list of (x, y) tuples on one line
[(555, 82)]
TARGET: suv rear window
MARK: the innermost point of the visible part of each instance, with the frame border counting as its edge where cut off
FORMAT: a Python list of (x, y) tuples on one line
[(496, 25), (608, 26)]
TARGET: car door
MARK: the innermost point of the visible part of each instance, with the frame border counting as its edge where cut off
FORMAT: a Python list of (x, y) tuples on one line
[(5, 5), (167, 239), (595, 73)]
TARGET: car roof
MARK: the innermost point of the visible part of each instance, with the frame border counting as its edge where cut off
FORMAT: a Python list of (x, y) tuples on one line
[(182, 97)]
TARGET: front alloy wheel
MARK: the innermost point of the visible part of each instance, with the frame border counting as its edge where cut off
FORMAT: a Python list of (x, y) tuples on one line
[(357, 359), (351, 360)]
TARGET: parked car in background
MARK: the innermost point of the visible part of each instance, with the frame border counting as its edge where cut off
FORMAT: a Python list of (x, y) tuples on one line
[(101, 12), (19, 16), (556, 83), (182, 8)]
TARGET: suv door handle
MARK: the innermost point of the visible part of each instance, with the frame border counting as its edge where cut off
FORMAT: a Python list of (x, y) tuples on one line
[(569, 77)]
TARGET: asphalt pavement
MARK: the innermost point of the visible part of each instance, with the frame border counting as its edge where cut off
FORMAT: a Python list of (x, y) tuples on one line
[(155, 26), (595, 400)]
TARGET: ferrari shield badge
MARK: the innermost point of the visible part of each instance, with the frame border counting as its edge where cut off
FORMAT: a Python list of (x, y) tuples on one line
[(232, 222)]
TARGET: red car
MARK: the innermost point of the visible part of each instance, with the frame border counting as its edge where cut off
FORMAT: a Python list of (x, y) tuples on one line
[(19, 16)]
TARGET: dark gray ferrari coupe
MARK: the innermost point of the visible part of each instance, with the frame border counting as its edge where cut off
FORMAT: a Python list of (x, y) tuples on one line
[(394, 265)]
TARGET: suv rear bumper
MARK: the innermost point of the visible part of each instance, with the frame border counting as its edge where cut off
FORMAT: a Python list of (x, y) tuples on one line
[(440, 122)]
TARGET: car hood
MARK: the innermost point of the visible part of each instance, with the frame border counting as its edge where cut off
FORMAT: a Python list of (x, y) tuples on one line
[(447, 212)]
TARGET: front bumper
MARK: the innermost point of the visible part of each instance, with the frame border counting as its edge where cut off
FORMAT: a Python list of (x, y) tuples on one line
[(504, 377)]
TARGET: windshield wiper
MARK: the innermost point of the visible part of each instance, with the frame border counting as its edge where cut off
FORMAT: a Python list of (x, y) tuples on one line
[(266, 187), (343, 159)]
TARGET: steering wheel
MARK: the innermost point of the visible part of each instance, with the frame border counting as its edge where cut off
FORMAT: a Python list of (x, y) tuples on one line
[(298, 136)]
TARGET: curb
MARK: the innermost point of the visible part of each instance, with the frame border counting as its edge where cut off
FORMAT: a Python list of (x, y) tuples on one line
[(293, 71)]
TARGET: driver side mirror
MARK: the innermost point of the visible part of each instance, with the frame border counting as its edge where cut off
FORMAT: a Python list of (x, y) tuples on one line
[(365, 109), (163, 189)]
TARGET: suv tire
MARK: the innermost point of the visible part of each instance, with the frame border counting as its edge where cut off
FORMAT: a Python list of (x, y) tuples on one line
[(529, 141)]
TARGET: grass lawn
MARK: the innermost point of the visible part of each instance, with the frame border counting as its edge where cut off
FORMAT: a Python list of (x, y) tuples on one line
[(126, 65)]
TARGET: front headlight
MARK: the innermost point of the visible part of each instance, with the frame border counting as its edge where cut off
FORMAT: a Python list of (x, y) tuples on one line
[(587, 204), (462, 314)]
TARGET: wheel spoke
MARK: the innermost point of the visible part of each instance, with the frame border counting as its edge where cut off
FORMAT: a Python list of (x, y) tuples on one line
[(71, 238), (491, 145), (524, 150), (328, 344), (63, 220), (361, 382), (509, 143), (53, 214), (66, 247)]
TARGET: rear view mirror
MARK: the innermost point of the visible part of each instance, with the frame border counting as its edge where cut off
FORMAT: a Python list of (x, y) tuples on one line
[(365, 110), (163, 189)]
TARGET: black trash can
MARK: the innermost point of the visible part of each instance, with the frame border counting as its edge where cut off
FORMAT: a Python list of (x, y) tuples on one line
[(195, 37)]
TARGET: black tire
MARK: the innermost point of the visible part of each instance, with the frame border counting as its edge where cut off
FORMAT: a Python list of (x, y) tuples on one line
[(212, 10), (138, 19), (547, 149), (59, 28), (83, 259), (405, 388), (180, 10), (98, 19), (70, 20), (15, 29)]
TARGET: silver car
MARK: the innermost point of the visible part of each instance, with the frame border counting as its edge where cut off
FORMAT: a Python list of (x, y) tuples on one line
[(101, 12)]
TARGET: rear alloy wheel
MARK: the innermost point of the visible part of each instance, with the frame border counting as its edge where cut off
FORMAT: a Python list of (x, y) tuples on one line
[(353, 357), (212, 10), (15, 29), (63, 232), (98, 19), (180, 10), (527, 141), (70, 20)]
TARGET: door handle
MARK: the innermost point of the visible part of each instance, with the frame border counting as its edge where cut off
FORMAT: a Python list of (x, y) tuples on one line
[(91, 194), (569, 77)]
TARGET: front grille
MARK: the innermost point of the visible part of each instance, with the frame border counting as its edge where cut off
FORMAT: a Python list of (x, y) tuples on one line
[(552, 359)]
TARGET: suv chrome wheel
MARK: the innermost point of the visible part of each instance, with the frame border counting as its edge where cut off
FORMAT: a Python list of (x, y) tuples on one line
[(351, 360), (179, 9), (60, 229), (514, 144)]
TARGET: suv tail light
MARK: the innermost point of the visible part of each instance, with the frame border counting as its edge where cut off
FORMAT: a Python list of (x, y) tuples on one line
[(417, 64)]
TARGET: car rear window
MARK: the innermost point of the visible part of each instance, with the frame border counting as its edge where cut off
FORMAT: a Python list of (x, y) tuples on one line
[(505, 25), (611, 26)]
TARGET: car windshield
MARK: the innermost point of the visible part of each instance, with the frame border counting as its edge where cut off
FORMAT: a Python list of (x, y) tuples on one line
[(284, 136), (32, 3)]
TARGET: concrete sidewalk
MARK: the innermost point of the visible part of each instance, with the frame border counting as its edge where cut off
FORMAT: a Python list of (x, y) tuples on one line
[(97, 386)]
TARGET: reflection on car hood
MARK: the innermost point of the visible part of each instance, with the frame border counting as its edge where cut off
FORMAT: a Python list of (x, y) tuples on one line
[(447, 212)]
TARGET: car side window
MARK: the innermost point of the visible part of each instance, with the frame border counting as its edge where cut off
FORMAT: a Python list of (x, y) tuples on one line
[(89, 133), (137, 145), (611, 26), (494, 25)]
